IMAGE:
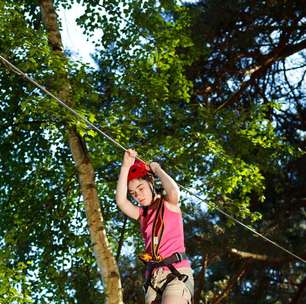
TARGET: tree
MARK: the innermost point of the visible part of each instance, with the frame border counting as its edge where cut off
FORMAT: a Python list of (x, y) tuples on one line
[(206, 96), (61, 85), (234, 111)]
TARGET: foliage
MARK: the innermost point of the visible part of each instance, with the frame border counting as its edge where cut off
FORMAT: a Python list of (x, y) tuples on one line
[(204, 89), (11, 280)]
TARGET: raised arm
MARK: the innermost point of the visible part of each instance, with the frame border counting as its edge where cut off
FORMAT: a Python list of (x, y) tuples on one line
[(123, 203), (169, 184)]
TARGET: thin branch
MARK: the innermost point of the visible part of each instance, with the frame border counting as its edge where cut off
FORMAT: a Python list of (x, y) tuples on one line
[(234, 280), (261, 257), (121, 240), (298, 296), (258, 71), (201, 280)]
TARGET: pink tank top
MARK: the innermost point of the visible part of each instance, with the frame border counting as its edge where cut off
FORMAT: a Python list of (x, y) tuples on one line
[(173, 236)]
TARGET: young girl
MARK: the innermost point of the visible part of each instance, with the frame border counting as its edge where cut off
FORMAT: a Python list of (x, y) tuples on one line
[(168, 278)]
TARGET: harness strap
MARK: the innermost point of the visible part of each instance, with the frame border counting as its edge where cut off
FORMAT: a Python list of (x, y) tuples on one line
[(158, 229), (174, 258), (170, 277), (167, 262), (181, 277)]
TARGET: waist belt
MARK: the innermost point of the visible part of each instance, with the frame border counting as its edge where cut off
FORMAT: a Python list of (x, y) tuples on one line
[(151, 264), (160, 262)]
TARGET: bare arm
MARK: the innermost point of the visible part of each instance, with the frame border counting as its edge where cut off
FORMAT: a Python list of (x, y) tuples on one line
[(123, 203), (169, 184)]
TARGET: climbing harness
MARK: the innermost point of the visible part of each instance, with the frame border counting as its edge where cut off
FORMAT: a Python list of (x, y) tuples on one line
[(214, 206), (155, 260), (151, 265)]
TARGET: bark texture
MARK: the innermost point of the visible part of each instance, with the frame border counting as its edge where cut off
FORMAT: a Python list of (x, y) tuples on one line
[(104, 257)]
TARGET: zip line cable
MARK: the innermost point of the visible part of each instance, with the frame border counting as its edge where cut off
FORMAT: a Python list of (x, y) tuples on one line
[(22, 74), (19, 72)]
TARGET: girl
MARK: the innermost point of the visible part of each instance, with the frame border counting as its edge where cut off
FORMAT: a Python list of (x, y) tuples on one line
[(168, 277)]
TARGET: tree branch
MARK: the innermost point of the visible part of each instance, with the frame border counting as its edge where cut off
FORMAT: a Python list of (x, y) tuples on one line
[(261, 257), (257, 71), (240, 273), (201, 280), (298, 296)]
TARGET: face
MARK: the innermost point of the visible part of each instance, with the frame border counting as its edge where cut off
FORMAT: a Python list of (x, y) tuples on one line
[(140, 191)]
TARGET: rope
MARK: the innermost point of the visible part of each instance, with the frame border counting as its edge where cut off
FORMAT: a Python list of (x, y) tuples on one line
[(20, 73)]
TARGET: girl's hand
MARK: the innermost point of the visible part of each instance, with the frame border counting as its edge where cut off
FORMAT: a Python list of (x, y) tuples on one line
[(155, 167), (129, 158)]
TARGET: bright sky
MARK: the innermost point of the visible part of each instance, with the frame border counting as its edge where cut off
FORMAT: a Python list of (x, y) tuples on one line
[(72, 36)]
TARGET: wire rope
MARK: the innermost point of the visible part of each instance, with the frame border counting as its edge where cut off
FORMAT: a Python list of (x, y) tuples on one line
[(21, 73)]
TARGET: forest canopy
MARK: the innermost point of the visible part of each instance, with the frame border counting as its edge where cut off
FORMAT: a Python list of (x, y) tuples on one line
[(212, 90)]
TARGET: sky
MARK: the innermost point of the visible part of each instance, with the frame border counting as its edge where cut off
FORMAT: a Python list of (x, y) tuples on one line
[(72, 36), (76, 42)]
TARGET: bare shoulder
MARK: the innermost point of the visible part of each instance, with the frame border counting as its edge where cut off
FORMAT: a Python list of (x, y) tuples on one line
[(173, 207)]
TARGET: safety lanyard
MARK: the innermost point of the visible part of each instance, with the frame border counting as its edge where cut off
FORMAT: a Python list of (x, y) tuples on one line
[(158, 229)]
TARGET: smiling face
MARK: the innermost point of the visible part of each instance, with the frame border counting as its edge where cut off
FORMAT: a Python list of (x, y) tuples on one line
[(140, 191)]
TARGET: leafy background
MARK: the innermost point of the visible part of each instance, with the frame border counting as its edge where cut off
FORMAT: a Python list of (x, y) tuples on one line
[(213, 90)]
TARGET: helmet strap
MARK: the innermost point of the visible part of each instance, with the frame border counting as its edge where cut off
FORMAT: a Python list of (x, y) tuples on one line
[(153, 192)]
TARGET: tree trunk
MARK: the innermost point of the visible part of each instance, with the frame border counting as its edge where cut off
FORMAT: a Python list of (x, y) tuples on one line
[(104, 257), (201, 280)]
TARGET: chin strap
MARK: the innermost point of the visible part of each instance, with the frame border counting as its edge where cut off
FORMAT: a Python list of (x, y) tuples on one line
[(153, 193)]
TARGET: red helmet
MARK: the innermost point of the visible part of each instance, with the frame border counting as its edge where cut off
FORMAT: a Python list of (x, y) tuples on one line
[(138, 170)]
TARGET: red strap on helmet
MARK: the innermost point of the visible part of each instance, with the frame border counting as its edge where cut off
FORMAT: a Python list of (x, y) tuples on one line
[(138, 170)]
